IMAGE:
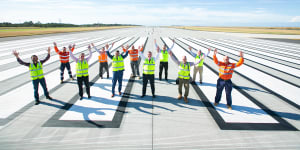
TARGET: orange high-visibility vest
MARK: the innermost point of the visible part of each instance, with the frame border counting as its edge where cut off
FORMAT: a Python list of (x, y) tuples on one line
[(102, 57), (133, 54), (63, 56), (226, 70)]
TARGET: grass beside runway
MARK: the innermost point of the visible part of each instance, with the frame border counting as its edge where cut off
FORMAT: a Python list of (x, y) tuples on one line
[(27, 31), (253, 30)]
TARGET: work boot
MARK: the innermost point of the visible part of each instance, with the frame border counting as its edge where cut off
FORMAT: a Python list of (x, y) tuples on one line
[(179, 97), (200, 82), (37, 102), (229, 107), (107, 76), (72, 79), (61, 81), (81, 97), (120, 93), (153, 96), (185, 99), (112, 95), (216, 104), (142, 96)]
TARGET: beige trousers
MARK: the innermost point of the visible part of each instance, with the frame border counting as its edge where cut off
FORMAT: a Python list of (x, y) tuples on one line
[(200, 70)]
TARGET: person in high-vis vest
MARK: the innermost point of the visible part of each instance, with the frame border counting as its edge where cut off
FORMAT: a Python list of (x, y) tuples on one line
[(184, 74), (82, 71), (164, 58), (64, 60), (102, 61), (118, 69), (36, 73), (199, 67), (225, 74), (148, 71), (134, 57)]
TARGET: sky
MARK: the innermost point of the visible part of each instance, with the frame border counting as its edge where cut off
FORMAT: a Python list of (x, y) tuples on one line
[(277, 13)]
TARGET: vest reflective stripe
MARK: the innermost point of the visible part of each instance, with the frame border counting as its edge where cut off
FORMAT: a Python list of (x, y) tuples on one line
[(64, 57), (225, 72), (82, 68), (118, 64), (102, 57), (198, 58), (36, 72), (184, 71), (149, 67), (134, 55), (164, 56)]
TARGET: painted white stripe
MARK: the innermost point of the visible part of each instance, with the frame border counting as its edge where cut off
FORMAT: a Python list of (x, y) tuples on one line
[(239, 101), (6, 74), (281, 67), (42, 52), (257, 52), (16, 99), (276, 85), (43, 47), (101, 107), (282, 51)]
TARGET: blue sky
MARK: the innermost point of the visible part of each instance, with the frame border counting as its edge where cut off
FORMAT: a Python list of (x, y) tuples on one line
[(155, 12)]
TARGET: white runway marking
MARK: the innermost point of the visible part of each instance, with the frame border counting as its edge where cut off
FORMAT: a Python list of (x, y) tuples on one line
[(16, 99), (101, 107), (244, 110), (276, 85)]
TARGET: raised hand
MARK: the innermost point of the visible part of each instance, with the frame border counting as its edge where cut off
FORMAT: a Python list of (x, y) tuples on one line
[(54, 43), (89, 47), (93, 44), (215, 52), (70, 46), (173, 40), (155, 41), (157, 49), (209, 49), (170, 53), (190, 48), (241, 54), (49, 48), (15, 53), (113, 44)]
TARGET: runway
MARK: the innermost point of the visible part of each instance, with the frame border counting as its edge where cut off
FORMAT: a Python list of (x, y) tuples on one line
[(265, 96)]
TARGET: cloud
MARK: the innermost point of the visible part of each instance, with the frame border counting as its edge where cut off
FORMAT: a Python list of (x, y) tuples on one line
[(295, 19)]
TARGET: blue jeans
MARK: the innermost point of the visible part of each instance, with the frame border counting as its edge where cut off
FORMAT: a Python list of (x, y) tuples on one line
[(117, 76), (228, 88), (36, 88)]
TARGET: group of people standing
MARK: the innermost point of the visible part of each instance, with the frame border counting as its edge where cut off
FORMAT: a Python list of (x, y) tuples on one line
[(225, 69)]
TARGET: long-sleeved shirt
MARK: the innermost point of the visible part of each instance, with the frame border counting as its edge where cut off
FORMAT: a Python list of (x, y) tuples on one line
[(178, 62), (194, 54), (143, 57), (111, 56), (100, 52), (27, 64), (63, 56), (226, 70), (167, 49), (76, 59)]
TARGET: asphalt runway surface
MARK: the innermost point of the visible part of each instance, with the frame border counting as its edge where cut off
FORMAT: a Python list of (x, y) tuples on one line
[(265, 96)]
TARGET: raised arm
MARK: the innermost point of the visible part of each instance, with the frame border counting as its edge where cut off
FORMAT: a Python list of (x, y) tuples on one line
[(125, 55), (197, 62), (241, 61), (169, 49), (47, 57), (207, 53), (191, 52), (15, 53), (71, 55), (215, 58), (157, 47), (73, 48), (55, 48), (97, 50), (142, 56), (90, 53), (174, 58)]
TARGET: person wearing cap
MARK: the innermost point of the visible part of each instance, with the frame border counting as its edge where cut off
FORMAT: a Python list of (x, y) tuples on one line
[(164, 58), (82, 71), (118, 69), (199, 67), (36, 73), (225, 74), (184, 74), (64, 61)]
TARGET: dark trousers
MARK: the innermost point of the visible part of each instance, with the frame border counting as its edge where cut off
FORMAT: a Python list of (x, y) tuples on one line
[(86, 83), (117, 76), (36, 88), (186, 84), (147, 77), (105, 66), (163, 65), (228, 88), (135, 68), (62, 69)]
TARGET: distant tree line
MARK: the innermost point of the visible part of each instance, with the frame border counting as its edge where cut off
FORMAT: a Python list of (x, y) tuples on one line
[(46, 25)]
